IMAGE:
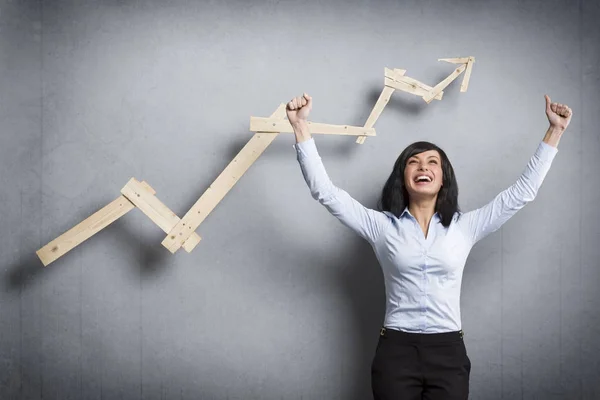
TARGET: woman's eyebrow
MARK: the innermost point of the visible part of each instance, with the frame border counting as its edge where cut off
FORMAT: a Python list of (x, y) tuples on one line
[(431, 156)]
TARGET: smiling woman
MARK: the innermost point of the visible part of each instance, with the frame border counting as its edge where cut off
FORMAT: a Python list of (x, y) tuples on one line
[(422, 242), (427, 162)]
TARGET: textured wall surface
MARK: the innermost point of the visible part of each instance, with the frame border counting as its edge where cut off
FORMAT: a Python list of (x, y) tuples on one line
[(279, 300)]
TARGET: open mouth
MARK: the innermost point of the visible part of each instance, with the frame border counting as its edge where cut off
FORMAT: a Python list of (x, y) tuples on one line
[(423, 180)]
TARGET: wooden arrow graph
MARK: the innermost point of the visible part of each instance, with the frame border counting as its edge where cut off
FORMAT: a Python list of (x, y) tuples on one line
[(396, 80), (181, 232)]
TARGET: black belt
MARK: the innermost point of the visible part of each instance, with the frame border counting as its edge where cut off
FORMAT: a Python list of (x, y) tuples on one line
[(421, 337)]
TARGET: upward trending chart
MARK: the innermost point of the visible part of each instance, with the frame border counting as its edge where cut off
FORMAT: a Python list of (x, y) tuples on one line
[(181, 232)]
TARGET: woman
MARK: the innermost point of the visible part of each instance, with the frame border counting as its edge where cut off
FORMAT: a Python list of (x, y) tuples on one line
[(422, 240)]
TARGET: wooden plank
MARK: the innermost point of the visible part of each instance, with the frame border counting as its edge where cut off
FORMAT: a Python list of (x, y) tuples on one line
[(382, 101), (149, 204), (399, 72), (461, 60), (403, 86), (154, 209), (84, 230), (418, 85), (465, 83), (393, 73), (411, 87), (259, 142), (273, 125), (147, 186), (408, 84), (190, 243), (442, 85)]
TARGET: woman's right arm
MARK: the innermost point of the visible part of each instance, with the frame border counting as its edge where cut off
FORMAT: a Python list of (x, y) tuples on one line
[(367, 223)]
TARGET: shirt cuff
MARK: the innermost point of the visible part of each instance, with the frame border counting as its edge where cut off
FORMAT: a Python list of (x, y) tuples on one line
[(546, 152), (307, 149)]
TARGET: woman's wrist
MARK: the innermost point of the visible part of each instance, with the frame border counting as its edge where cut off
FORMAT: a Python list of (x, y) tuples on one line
[(301, 130), (553, 135)]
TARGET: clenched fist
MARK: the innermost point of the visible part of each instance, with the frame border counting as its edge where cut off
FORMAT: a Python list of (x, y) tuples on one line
[(559, 115), (298, 108)]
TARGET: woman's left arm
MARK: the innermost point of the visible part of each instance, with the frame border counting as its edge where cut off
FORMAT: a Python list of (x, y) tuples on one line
[(481, 222)]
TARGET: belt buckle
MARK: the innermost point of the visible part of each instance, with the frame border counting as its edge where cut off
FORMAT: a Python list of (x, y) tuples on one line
[(382, 332)]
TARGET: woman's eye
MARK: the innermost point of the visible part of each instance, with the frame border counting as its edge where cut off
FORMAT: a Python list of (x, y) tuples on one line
[(434, 161)]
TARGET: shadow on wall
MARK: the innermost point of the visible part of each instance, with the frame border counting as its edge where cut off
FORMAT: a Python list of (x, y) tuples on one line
[(357, 278), (149, 258), (361, 283)]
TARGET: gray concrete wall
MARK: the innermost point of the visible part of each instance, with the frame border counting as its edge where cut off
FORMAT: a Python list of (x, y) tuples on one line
[(279, 300)]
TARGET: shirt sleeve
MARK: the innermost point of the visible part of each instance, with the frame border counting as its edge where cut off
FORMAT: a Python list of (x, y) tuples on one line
[(367, 223), (481, 222)]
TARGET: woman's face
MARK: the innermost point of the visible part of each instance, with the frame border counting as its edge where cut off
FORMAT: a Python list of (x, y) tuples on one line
[(423, 176)]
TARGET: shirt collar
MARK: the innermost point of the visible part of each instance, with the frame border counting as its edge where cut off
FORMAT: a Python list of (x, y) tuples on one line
[(436, 214)]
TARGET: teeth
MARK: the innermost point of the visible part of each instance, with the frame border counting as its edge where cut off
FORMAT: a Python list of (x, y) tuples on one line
[(419, 178)]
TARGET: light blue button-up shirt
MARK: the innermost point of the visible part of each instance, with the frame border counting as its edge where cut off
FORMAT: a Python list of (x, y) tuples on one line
[(422, 276)]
